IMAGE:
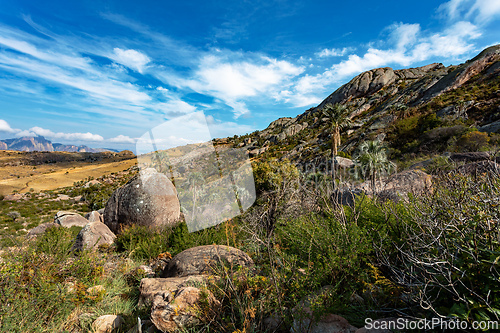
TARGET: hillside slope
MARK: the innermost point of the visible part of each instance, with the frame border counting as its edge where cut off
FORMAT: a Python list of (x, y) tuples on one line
[(424, 110)]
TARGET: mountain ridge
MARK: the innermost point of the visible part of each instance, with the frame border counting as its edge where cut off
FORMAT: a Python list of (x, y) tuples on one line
[(395, 106), (39, 143)]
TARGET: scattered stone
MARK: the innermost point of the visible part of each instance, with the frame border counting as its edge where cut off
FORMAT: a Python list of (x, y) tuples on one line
[(69, 219), (92, 236), (14, 197), (204, 259), (41, 229), (92, 183), (149, 200), (107, 323), (62, 197)]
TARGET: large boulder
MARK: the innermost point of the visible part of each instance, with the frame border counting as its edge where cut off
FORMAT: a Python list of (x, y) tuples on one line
[(151, 286), (400, 184), (172, 312), (70, 219), (479, 168), (149, 199), (470, 156), (204, 259), (92, 236)]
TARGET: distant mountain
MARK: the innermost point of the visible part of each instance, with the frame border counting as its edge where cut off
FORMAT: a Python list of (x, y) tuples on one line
[(39, 143)]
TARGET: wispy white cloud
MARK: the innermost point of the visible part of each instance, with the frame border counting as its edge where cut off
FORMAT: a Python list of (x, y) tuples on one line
[(478, 11), (5, 127), (409, 45), (86, 137), (122, 139), (333, 52), (131, 58), (233, 81)]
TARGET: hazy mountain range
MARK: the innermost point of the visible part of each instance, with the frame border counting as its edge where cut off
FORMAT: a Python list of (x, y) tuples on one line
[(39, 143)]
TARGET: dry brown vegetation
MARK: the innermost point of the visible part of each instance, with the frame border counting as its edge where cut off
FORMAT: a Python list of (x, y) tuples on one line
[(21, 171)]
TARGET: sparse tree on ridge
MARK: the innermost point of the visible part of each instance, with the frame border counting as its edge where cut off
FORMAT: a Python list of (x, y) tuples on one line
[(337, 115)]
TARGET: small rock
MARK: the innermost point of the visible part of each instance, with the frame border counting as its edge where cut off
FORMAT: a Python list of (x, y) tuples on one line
[(41, 229), (107, 323), (91, 183), (96, 290)]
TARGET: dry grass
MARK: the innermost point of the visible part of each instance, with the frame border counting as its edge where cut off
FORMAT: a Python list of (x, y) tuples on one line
[(52, 176)]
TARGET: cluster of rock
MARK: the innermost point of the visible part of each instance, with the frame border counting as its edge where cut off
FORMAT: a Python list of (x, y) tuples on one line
[(174, 296)]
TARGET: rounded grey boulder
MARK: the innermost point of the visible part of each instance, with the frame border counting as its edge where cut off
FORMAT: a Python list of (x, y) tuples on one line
[(93, 235), (204, 259), (149, 199), (70, 219)]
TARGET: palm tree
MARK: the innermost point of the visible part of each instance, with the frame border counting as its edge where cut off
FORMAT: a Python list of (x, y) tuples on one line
[(338, 118), (373, 161)]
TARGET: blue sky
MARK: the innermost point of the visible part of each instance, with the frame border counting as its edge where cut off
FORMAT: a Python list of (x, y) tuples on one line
[(102, 73)]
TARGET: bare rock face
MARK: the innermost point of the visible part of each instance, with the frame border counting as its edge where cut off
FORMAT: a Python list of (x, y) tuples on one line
[(362, 85), (148, 200), (464, 72), (92, 236), (70, 219), (203, 259), (172, 312)]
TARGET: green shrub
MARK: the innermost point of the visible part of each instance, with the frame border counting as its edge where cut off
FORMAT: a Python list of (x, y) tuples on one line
[(448, 247)]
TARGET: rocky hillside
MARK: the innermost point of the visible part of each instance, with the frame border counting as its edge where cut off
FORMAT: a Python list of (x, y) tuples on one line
[(39, 143), (417, 111)]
